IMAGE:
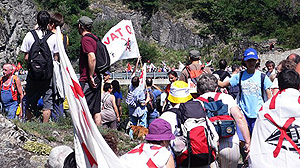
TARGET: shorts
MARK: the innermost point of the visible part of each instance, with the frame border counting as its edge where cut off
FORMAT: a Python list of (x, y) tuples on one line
[(92, 96), (34, 91)]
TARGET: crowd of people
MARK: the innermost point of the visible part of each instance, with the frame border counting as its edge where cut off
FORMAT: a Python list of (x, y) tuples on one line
[(256, 110)]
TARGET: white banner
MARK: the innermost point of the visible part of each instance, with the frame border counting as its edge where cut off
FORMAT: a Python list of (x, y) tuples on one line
[(143, 76), (120, 42), (91, 150)]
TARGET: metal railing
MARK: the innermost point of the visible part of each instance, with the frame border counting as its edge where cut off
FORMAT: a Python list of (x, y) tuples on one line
[(117, 75), (153, 75)]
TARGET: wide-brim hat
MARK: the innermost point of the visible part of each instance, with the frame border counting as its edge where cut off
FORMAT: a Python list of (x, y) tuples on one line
[(159, 130), (179, 92), (250, 53)]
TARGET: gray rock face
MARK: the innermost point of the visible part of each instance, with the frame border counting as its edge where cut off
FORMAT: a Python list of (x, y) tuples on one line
[(11, 152), (159, 28), (16, 17)]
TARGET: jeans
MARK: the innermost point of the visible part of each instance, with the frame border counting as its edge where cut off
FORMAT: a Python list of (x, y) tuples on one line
[(142, 120)]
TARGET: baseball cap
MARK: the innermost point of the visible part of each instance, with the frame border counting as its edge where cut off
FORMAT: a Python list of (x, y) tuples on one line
[(195, 54), (250, 53), (85, 21)]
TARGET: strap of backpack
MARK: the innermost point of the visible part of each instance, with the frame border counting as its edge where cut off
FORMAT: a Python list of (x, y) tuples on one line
[(217, 96), (202, 99), (93, 37), (240, 85), (34, 34), (36, 37), (188, 70), (262, 82)]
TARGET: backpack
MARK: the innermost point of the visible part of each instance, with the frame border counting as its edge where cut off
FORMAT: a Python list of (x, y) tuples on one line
[(194, 75), (262, 81), (217, 112), (40, 62), (102, 56), (151, 105), (199, 148)]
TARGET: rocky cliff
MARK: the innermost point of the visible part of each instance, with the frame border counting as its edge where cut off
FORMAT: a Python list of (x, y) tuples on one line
[(160, 28), (16, 18)]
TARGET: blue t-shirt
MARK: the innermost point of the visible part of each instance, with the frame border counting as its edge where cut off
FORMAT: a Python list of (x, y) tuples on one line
[(118, 95), (251, 97)]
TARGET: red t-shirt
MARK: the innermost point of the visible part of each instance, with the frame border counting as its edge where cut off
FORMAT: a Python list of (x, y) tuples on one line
[(88, 45)]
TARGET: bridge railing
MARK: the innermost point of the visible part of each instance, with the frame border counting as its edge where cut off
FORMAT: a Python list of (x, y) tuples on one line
[(153, 75)]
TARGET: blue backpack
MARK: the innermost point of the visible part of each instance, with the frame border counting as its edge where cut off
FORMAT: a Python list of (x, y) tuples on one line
[(217, 112)]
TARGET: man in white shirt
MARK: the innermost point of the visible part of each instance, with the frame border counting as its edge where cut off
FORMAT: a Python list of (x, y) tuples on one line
[(35, 89), (276, 134)]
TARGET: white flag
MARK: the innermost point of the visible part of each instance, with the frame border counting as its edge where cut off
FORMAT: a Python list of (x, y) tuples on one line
[(91, 150), (143, 76), (120, 42)]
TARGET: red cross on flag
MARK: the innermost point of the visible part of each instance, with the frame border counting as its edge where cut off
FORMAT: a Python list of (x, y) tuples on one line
[(91, 150)]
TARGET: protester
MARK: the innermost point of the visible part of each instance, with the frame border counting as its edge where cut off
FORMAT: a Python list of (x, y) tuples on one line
[(152, 92), (271, 68), (106, 77), (118, 95), (11, 89), (136, 102), (35, 89), (89, 82), (229, 153), (191, 72), (275, 138), (234, 91), (164, 96), (251, 96), (172, 78), (283, 65), (222, 74), (153, 153), (109, 110), (56, 19), (179, 93), (176, 115), (294, 57)]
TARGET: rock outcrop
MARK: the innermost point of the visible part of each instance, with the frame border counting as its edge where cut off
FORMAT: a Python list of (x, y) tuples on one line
[(16, 17), (11, 152)]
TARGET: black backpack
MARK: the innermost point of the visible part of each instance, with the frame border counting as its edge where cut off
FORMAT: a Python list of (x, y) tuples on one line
[(40, 62), (102, 56)]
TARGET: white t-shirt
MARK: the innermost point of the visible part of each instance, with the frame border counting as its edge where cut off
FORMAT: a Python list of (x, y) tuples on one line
[(226, 99), (29, 40)]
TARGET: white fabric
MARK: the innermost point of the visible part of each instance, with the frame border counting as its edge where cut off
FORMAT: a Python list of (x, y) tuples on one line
[(261, 149), (120, 42), (275, 84), (91, 150), (29, 40), (159, 157), (59, 80), (226, 99)]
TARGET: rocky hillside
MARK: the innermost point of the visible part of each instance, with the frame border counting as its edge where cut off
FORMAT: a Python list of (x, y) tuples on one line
[(16, 18)]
